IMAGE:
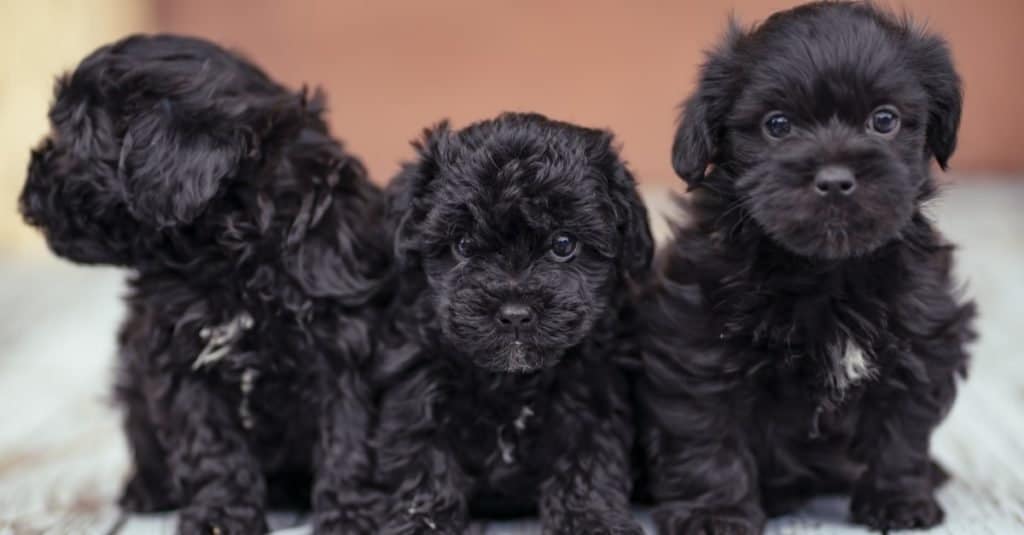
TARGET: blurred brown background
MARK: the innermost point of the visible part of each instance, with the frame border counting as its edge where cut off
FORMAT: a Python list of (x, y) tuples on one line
[(391, 68)]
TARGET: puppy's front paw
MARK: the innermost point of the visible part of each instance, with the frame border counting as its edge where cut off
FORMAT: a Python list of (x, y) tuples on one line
[(343, 523), (597, 524), (231, 520), (724, 521), (886, 513), (142, 496), (422, 525)]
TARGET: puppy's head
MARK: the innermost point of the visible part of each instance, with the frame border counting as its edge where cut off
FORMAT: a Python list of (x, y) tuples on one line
[(821, 124), (524, 230), (145, 134)]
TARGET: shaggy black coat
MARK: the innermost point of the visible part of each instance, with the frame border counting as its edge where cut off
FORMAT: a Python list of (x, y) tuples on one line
[(807, 335), (504, 370), (256, 264)]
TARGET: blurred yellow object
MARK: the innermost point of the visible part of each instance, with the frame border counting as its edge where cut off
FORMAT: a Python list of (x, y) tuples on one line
[(40, 39)]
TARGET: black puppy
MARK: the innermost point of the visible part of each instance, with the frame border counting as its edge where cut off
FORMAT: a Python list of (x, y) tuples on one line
[(808, 335), (503, 382), (255, 256)]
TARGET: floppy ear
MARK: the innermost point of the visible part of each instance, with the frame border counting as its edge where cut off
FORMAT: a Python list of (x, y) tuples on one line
[(934, 65), (170, 166), (637, 243), (701, 124), (406, 206)]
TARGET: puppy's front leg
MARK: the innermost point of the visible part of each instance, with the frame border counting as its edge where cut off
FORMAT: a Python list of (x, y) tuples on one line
[(902, 409), (428, 490), (210, 464), (590, 485), (897, 489), (343, 500)]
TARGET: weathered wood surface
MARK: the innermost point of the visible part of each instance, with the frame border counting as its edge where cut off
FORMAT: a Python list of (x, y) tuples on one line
[(62, 458)]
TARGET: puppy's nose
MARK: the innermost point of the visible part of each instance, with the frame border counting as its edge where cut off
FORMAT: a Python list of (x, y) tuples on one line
[(515, 315), (834, 180)]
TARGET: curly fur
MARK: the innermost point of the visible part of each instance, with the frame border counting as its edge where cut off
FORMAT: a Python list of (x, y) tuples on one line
[(800, 343), (225, 195), (476, 416)]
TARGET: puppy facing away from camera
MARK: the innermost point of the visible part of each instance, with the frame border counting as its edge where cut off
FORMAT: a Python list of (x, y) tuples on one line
[(503, 374), (807, 335), (250, 234)]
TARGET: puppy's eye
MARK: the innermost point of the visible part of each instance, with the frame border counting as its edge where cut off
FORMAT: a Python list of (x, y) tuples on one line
[(563, 247), (464, 248), (777, 125), (884, 121)]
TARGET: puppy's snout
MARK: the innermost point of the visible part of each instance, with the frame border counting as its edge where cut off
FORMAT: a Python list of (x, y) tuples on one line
[(834, 180), (515, 315)]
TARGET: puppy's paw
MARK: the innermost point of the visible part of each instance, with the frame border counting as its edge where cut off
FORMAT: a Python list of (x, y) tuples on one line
[(422, 526), (597, 524), (886, 513), (724, 521), (231, 520), (343, 523), (346, 522), (141, 496)]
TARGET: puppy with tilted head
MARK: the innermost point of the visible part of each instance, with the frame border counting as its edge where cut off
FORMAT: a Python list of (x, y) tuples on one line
[(256, 264), (503, 375), (807, 335)]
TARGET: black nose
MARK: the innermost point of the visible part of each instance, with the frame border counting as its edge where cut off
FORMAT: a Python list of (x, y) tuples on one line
[(834, 180), (515, 315)]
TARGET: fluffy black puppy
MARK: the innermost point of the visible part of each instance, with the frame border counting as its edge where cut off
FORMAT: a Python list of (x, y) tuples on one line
[(808, 335), (255, 256), (517, 239)]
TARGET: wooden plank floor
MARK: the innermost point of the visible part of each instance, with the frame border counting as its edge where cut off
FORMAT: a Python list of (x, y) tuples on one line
[(62, 458)]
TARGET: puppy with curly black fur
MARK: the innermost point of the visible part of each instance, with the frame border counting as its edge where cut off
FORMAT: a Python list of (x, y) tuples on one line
[(251, 235), (808, 335), (505, 388)]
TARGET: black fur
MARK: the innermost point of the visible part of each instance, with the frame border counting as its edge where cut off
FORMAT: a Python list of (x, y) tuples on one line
[(226, 196), (476, 415), (753, 398)]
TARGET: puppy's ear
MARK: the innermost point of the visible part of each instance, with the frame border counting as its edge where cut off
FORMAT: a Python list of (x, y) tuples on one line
[(702, 122), (171, 168), (637, 249), (934, 65), (636, 244), (406, 204)]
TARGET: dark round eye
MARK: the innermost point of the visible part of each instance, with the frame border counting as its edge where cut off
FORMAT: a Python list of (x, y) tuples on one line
[(464, 248), (777, 125), (563, 247), (884, 121)]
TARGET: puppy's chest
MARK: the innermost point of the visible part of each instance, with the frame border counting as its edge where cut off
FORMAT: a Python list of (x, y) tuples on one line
[(498, 436), (268, 375), (824, 353)]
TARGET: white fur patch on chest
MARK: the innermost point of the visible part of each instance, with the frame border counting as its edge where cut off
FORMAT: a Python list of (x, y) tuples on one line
[(856, 365)]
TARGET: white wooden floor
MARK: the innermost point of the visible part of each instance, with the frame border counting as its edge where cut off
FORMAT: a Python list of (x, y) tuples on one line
[(62, 458)]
